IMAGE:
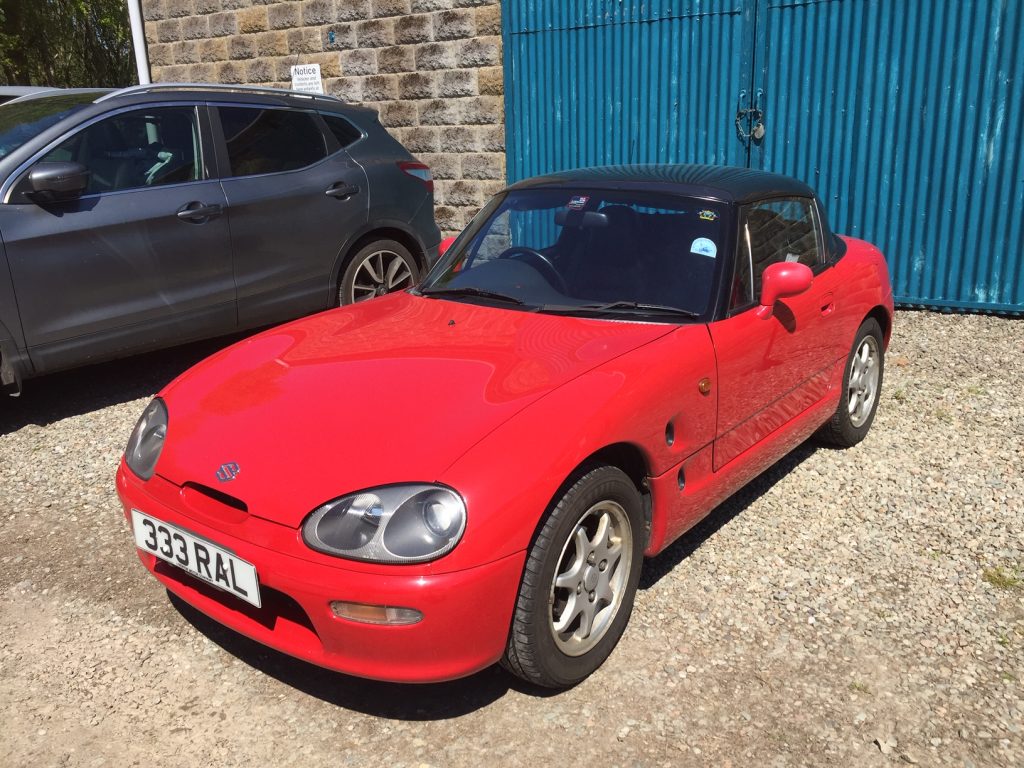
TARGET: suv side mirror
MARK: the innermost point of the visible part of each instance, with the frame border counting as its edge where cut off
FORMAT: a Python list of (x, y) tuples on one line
[(780, 280), (52, 182)]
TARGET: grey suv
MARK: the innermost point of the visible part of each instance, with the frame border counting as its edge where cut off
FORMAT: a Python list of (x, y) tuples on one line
[(149, 216)]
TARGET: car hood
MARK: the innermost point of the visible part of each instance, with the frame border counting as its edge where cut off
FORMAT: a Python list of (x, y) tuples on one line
[(392, 390)]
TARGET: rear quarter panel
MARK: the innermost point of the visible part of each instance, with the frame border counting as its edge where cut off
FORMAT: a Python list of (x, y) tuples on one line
[(393, 194), (864, 275)]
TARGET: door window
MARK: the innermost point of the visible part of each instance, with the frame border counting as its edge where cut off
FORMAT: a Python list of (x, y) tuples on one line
[(770, 232), (270, 140), (141, 148), (346, 133)]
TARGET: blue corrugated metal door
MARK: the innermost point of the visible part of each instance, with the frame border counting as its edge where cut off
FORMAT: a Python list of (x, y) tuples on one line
[(592, 82), (906, 116)]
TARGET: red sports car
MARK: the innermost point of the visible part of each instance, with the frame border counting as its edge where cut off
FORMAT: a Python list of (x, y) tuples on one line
[(416, 487)]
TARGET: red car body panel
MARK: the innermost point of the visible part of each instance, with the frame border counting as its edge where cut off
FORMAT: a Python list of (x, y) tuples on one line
[(296, 617), (603, 406), (323, 407), (336, 382)]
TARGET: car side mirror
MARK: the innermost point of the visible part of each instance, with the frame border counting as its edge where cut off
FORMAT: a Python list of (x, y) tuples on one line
[(56, 181), (779, 281), (444, 246)]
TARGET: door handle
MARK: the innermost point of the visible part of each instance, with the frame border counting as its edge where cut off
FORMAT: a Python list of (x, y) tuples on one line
[(341, 191), (828, 305), (197, 213)]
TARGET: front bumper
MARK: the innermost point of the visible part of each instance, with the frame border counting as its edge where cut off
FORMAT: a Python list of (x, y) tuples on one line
[(466, 614)]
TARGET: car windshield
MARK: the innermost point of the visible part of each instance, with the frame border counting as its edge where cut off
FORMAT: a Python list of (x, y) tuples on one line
[(21, 121), (588, 252)]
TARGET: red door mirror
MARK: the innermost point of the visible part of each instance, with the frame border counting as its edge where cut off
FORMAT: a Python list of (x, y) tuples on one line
[(445, 245), (781, 280)]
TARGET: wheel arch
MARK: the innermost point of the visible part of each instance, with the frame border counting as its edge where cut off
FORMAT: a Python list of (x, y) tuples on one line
[(379, 231), (881, 315), (628, 458)]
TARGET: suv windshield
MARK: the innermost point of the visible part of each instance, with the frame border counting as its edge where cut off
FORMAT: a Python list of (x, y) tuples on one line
[(588, 251), (21, 121)]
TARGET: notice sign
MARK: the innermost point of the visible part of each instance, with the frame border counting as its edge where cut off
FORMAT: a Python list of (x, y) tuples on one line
[(306, 77)]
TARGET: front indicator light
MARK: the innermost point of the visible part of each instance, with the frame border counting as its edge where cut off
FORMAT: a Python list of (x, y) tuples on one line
[(376, 614)]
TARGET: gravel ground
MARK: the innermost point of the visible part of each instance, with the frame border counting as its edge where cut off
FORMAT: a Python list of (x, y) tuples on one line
[(860, 607)]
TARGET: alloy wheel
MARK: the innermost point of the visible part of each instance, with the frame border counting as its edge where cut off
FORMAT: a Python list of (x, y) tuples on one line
[(863, 381), (591, 578), (380, 272)]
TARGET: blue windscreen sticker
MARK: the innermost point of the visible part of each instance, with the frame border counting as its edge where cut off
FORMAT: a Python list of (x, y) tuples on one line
[(704, 247)]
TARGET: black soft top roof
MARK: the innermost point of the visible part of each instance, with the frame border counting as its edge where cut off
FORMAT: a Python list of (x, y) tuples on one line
[(718, 182)]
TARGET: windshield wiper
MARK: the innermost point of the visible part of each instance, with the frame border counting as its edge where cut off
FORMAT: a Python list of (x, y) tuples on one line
[(469, 290), (620, 306)]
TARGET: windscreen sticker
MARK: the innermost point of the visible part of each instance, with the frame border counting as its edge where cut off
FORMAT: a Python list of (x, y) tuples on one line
[(792, 257), (577, 202), (707, 215), (704, 247)]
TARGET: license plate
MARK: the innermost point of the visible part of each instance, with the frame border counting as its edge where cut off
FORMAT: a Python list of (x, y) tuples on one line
[(206, 561)]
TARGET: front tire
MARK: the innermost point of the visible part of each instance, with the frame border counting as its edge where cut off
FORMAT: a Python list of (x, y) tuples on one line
[(377, 268), (579, 581), (862, 386)]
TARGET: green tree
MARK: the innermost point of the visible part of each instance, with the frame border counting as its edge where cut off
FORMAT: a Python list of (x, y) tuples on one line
[(66, 43)]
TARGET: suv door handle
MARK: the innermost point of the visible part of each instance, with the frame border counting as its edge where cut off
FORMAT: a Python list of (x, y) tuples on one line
[(341, 191), (197, 213)]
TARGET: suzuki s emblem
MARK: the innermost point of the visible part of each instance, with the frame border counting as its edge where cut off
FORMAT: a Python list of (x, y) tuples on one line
[(228, 471)]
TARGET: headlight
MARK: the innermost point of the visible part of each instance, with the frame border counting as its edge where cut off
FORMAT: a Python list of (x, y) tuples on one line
[(147, 440), (393, 524)]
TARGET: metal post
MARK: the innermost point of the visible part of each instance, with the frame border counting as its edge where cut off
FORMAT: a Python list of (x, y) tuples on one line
[(139, 40)]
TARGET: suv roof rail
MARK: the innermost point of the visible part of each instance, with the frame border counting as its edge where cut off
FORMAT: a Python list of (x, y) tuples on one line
[(149, 87)]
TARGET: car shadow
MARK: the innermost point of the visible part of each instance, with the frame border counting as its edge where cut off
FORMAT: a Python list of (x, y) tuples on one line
[(395, 701), (658, 567), (72, 393)]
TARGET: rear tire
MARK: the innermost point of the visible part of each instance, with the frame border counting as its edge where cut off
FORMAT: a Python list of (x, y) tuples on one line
[(862, 386), (379, 267), (579, 581)]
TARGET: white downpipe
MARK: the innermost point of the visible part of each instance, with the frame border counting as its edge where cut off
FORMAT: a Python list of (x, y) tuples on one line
[(139, 40)]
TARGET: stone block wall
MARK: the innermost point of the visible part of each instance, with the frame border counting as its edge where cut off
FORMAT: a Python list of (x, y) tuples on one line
[(431, 68)]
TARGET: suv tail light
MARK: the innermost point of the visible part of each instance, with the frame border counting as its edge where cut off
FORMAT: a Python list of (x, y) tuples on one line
[(418, 171)]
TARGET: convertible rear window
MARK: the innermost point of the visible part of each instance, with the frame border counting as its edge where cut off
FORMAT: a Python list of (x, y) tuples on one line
[(585, 249)]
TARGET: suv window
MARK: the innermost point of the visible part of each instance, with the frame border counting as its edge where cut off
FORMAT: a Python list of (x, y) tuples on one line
[(270, 140), (770, 232), (141, 148), (343, 130)]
